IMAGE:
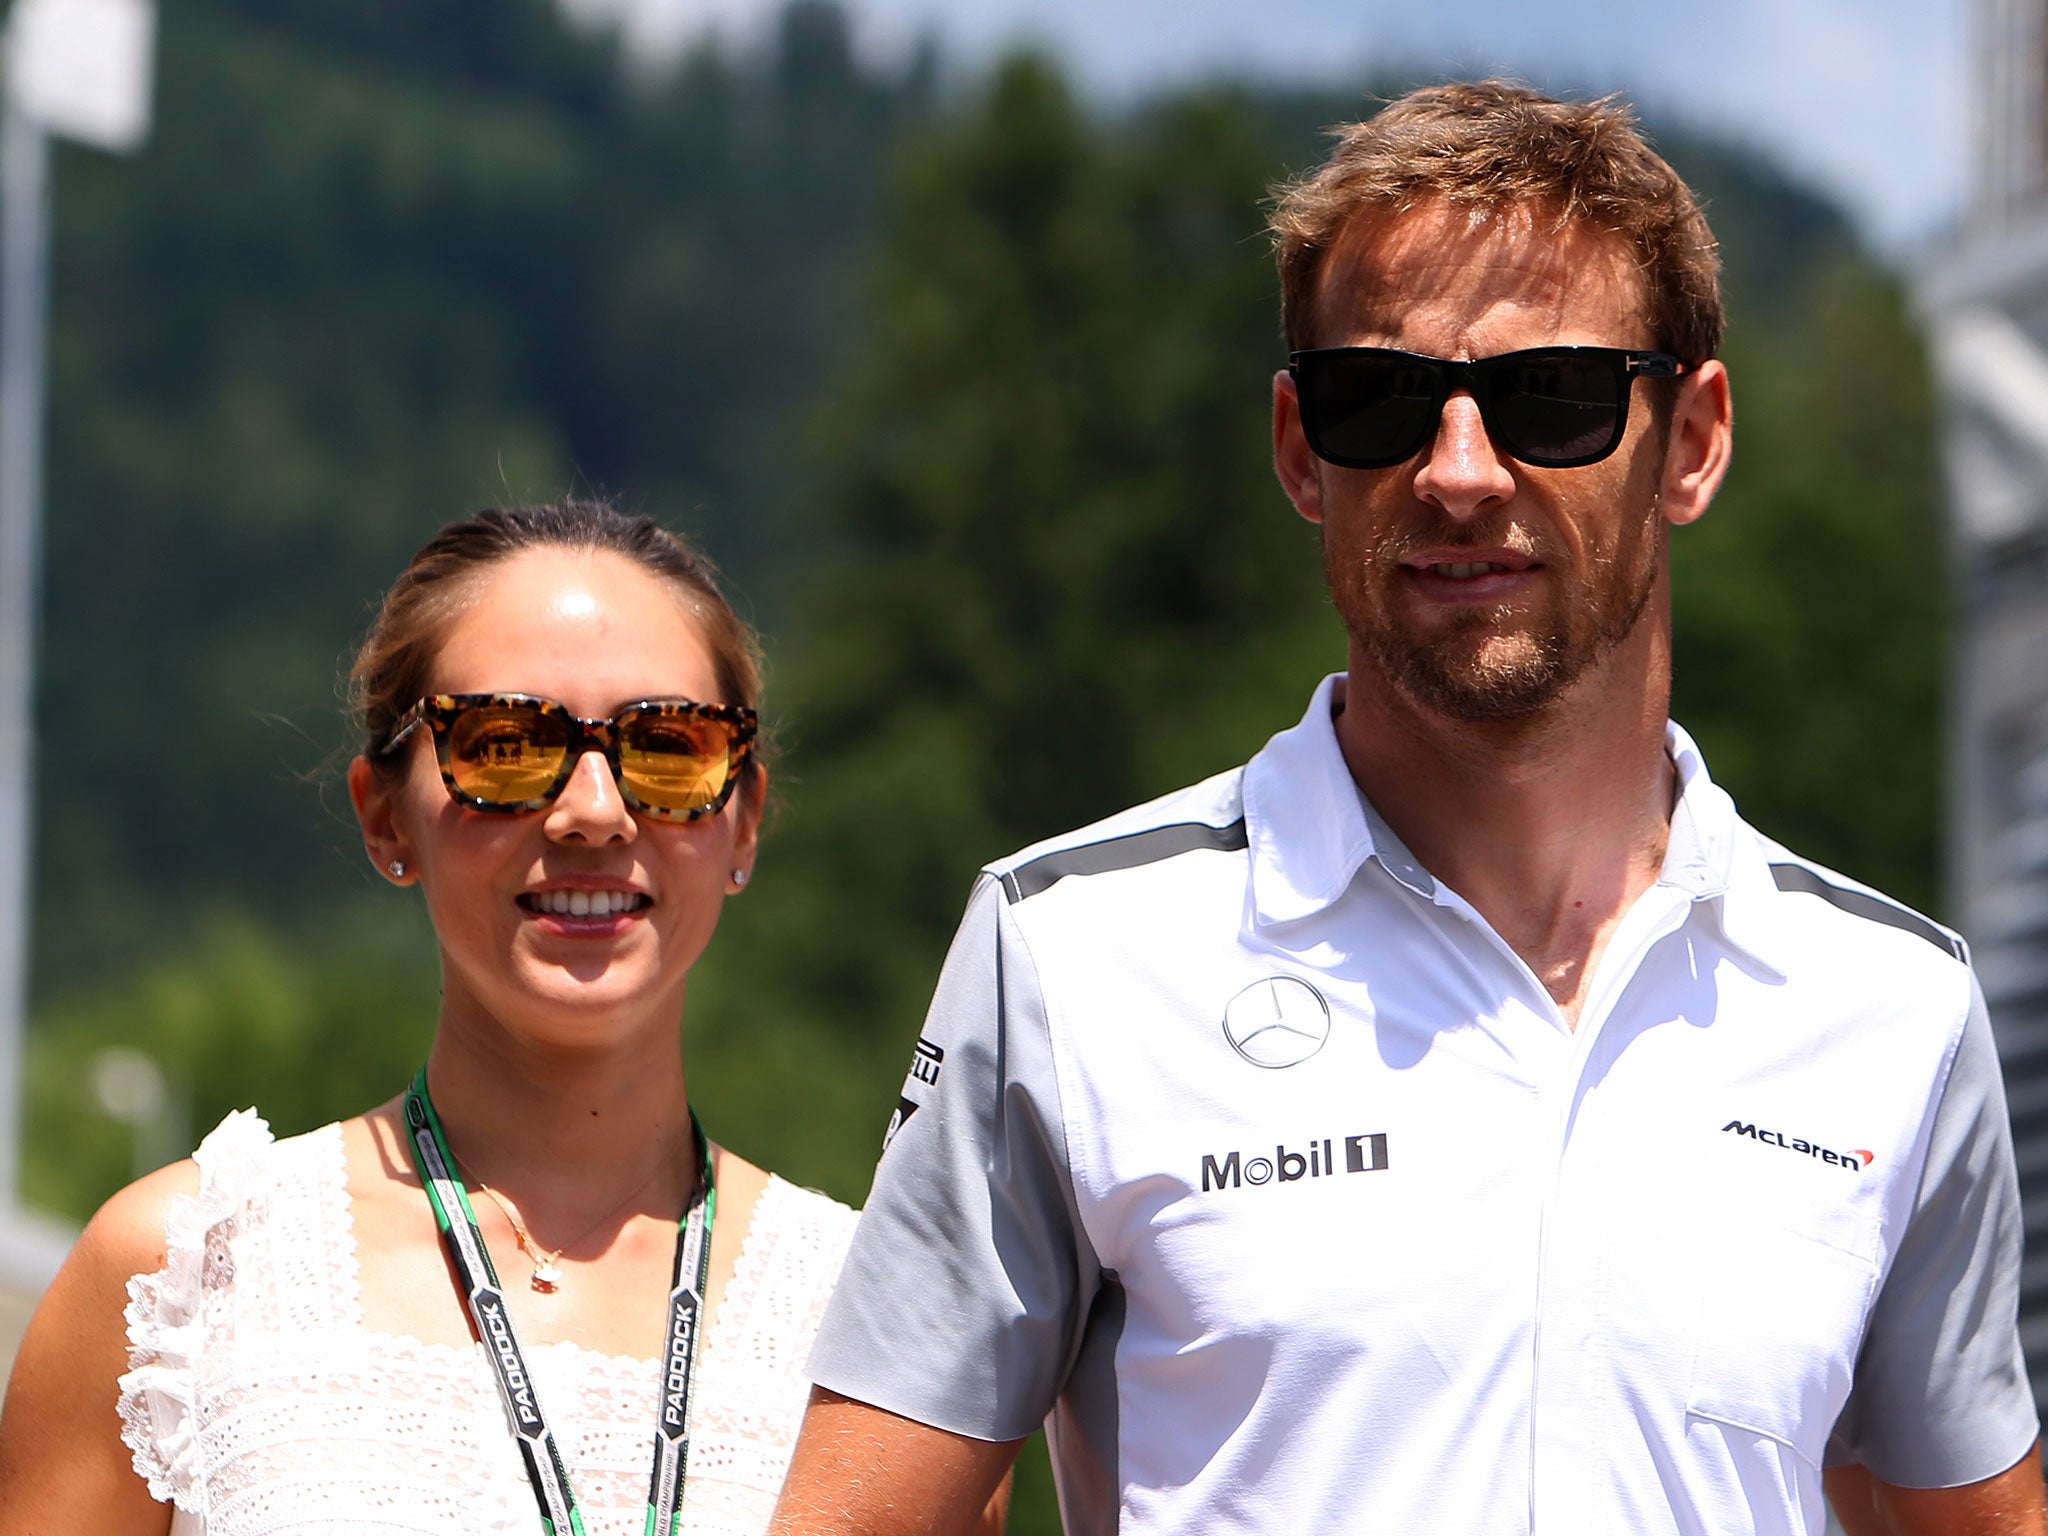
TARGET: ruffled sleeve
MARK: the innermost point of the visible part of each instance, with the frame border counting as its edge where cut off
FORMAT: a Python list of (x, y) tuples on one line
[(167, 1315)]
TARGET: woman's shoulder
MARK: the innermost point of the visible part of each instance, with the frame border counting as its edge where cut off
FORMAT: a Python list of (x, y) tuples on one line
[(766, 1202), (798, 1204), (798, 1234), (127, 1236)]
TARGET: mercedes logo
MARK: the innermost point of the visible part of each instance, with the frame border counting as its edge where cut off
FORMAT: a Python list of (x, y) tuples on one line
[(1277, 1022)]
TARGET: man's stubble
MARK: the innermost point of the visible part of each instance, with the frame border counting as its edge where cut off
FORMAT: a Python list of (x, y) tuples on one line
[(1483, 666)]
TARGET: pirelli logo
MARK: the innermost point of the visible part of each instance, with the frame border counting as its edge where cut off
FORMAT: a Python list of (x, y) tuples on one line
[(1855, 1161), (1364, 1153)]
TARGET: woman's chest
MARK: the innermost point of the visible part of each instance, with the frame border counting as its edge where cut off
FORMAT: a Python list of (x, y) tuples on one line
[(340, 1428)]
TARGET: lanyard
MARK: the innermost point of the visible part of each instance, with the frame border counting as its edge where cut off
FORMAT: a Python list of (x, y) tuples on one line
[(478, 1282)]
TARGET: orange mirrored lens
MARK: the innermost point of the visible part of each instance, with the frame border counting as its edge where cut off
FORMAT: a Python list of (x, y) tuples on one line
[(675, 762), (506, 753)]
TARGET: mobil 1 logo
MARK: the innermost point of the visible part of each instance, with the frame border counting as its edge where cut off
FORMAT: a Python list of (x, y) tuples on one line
[(1363, 1153)]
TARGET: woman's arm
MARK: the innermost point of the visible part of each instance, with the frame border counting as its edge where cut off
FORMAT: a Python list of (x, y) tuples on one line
[(63, 1468)]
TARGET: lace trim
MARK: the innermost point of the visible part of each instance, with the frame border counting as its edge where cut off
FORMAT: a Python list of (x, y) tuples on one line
[(165, 1315)]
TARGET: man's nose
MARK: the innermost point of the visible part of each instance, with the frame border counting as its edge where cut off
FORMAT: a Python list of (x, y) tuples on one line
[(1461, 469)]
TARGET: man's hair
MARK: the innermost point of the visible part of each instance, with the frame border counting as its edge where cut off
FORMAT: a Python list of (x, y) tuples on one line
[(1493, 148)]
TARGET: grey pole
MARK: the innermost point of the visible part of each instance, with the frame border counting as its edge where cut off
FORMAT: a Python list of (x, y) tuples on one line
[(24, 283)]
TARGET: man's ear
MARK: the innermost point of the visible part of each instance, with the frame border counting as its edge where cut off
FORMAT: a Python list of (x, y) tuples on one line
[(1296, 464), (1701, 443), (375, 800)]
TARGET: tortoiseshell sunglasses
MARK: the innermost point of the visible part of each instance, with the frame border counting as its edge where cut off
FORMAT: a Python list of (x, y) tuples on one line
[(674, 759)]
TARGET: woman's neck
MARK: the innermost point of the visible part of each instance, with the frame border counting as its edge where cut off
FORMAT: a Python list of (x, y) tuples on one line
[(566, 1133)]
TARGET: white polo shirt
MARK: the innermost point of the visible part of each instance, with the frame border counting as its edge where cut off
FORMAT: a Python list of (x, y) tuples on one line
[(1252, 1154)]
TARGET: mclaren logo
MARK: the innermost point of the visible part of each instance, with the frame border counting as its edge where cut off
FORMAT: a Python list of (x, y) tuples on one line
[(1855, 1160), (1278, 1022)]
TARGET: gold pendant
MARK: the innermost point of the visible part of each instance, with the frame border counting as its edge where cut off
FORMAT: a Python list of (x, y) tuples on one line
[(546, 1279)]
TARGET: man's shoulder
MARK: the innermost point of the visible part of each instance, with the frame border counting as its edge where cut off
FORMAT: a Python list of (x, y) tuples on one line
[(1855, 918), (1208, 816)]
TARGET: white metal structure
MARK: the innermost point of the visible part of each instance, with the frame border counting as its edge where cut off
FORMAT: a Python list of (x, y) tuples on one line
[(1986, 303), (78, 68)]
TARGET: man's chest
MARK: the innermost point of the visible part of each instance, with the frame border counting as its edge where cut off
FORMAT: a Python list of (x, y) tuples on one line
[(1400, 1182)]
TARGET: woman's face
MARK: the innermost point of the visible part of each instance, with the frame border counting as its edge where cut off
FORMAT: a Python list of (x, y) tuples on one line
[(593, 631)]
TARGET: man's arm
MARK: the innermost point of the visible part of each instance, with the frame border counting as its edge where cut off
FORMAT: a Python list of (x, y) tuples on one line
[(2010, 1504), (967, 1291), (1941, 1401), (862, 1471)]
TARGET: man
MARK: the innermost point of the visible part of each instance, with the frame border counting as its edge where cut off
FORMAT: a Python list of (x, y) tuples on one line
[(1457, 1120)]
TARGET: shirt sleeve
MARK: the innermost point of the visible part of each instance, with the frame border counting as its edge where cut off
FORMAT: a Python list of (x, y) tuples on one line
[(1941, 1396), (965, 1292)]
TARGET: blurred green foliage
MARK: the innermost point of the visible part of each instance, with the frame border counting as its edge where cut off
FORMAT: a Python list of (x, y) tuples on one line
[(968, 392)]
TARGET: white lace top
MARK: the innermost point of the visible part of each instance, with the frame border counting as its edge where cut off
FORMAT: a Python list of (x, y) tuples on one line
[(258, 1402)]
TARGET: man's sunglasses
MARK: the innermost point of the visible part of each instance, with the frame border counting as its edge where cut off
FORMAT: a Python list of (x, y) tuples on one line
[(674, 759), (1554, 407)]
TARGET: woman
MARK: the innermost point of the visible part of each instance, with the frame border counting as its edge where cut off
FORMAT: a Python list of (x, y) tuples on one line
[(558, 748)]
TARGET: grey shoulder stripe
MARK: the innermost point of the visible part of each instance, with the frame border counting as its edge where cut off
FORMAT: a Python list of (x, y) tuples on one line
[(1797, 877), (1126, 852)]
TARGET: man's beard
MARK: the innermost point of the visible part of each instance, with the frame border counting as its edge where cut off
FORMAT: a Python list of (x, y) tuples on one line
[(1473, 669)]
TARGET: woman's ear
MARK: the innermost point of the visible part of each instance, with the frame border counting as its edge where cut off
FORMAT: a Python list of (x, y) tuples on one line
[(751, 800), (375, 799)]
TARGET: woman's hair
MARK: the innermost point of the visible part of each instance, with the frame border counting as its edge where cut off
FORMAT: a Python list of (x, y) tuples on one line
[(391, 667)]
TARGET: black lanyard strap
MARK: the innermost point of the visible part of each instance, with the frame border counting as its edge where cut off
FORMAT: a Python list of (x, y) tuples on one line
[(481, 1293)]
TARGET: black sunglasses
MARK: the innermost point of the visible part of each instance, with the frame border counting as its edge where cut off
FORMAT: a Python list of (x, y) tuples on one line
[(674, 759), (1554, 407)]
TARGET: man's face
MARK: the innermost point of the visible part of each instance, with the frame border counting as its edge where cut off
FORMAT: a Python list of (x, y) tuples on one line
[(1479, 586)]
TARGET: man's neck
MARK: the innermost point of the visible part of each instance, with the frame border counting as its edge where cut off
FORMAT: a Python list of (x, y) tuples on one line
[(1550, 826)]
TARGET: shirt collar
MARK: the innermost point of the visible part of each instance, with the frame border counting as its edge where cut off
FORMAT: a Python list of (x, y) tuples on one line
[(1310, 829), (1304, 819), (1699, 851), (1715, 858)]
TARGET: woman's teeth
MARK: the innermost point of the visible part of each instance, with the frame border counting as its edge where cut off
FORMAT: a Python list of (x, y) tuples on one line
[(584, 903)]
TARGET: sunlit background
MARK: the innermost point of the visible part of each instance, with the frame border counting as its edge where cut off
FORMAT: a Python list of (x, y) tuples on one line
[(946, 326)]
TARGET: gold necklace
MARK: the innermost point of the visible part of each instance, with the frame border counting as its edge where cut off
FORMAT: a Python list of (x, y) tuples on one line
[(547, 1276), (547, 1273)]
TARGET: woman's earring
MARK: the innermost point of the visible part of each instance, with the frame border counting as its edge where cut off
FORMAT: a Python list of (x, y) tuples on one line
[(396, 869), (739, 877)]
